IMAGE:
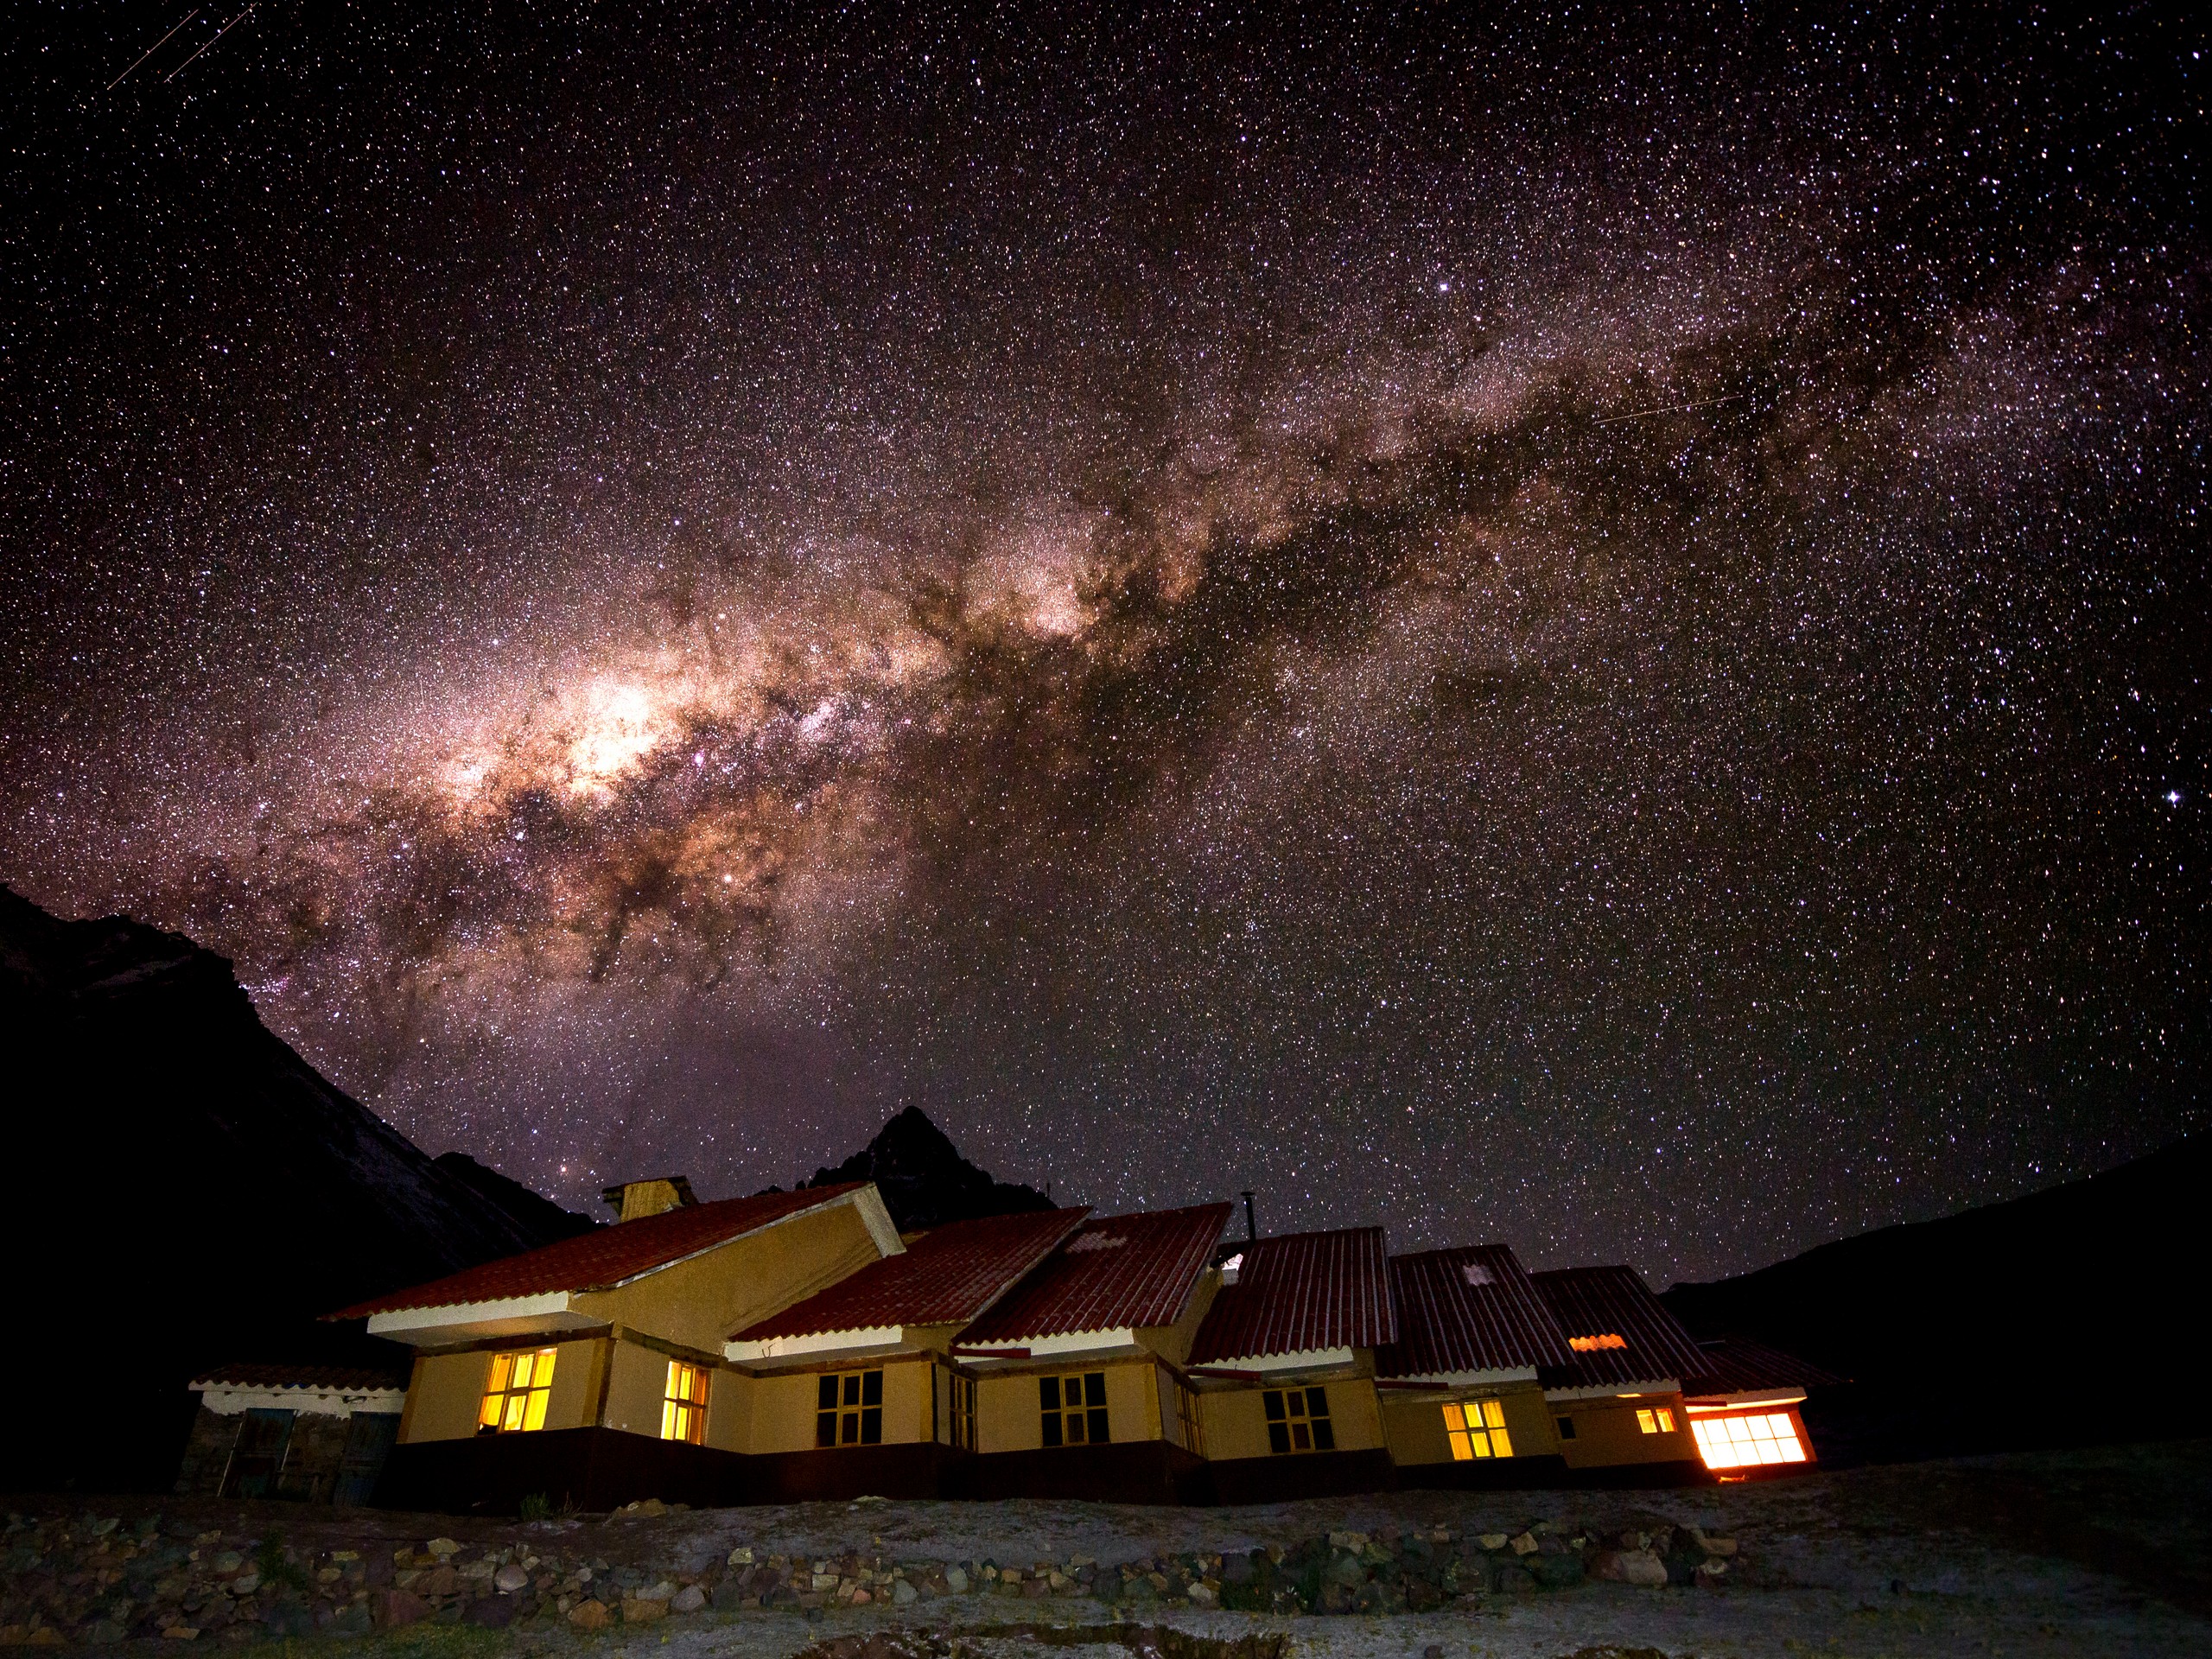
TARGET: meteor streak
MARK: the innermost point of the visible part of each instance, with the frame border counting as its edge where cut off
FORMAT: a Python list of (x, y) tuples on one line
[(155, 47)]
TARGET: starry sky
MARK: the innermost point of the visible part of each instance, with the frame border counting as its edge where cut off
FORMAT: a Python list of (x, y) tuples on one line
[(1587, 629)]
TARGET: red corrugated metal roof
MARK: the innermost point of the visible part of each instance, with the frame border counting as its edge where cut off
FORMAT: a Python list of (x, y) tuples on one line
[(1614, 1302), (1469, 1309), (1299, 1291), (1119, 1273), (1739, 1365), (947, 1277), (608, 1255)]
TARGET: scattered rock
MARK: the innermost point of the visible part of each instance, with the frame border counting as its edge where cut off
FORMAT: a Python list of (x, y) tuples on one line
[(590, 1616), (510, 1578), (690, 1599), (392, 1609), (1629, 1566)]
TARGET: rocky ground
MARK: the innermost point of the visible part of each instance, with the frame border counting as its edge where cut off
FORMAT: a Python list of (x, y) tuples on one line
[(2102, 1551)]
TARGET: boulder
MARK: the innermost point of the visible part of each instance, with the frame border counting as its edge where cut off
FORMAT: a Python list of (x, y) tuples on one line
[(690, 1599), (510, 1578), (590, 1615), (1641, 1566)]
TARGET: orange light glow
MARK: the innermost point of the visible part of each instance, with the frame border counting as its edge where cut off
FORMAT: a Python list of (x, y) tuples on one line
[(1591, 1344), (1752, 1437)]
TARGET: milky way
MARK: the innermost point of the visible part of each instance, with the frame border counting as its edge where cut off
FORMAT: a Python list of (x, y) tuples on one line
[(1514, 630)]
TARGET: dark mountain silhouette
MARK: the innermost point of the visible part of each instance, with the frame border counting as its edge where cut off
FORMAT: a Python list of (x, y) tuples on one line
[(187, 1190), (924, 1180), (1974, 1332)]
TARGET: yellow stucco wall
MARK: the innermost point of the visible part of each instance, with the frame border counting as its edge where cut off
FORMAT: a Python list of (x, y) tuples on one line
[(1172, 1342), (636, 1389), (1413, 1429), (448, 1393), (701, 1303), (1009, 1419), (731, 1397), (785, 1405), (1235, 1420), (1605, 1432)]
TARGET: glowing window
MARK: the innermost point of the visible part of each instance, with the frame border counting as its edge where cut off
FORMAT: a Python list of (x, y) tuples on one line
[(1073, 1407), (848, 1408), (683, 1408), (1591, 1345), (514, 1400), (1657, 1420), (1298, 1421), (1477, 1429), (1735, 1442)]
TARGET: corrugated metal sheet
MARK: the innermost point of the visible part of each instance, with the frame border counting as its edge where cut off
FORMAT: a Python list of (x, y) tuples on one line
[(1118, 1273), (947, 1277), (1614, 1302), (257, 1375), (606, 1256), (1470, 1309), (1300, 1292), (1739, 1365)]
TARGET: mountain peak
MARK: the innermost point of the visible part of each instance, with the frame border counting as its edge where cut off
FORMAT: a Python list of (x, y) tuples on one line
[(924, 1179)]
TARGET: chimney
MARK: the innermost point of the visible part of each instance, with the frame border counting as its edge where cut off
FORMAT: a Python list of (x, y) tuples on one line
[(632, 1200), (1251, 1227)]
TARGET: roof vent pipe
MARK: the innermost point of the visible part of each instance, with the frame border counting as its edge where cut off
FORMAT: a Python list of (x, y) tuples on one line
[(1251, 1226)]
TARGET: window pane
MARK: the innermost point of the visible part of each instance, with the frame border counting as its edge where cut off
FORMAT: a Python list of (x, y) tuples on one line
[(489, 1416), (668, 1431), (1052, 1428), (1094, 1389), (1317, 1402), (503, 1367), (852, 1389), (871, 1426), (1048, 1393), (1301, 1437), (825, 1394), (1296, 1400), (1499, 1445), (1097, 1416), (848, 1429), (535, 1417), (1493, 1413), (1324, 1435), (825, 1428), (1458, 1439), (1277, 1437), (872, 1388), (1643, 1421), (517, 1404), (1273, 1400)]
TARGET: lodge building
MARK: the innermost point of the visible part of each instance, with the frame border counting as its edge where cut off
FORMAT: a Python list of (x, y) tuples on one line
[(794, 1345)]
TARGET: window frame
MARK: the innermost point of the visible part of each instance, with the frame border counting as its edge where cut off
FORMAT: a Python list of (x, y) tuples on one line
[(521, 1407), (1716, 1436), (684, 1415), (1476, 1431), (847, 1409), (1655, 1419), (1084, 1423), (963, 1412), (1298, 1419)]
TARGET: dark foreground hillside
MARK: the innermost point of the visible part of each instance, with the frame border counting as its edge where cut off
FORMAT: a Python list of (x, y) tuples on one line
[(184, 1190), (1992, 1329)]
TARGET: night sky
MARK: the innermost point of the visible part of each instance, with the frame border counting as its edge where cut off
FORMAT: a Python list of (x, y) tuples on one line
[(1582, 629)]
